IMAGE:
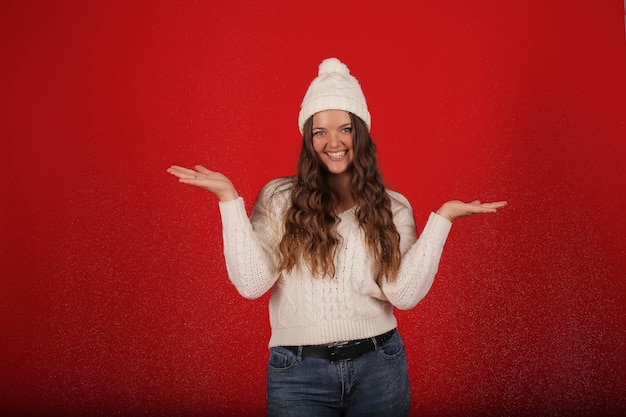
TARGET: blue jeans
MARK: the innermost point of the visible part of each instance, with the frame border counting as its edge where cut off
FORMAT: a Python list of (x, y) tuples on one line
[(375, 384)]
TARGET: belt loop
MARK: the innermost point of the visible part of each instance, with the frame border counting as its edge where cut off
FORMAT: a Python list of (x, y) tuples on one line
[(299, 354), (373, 339)]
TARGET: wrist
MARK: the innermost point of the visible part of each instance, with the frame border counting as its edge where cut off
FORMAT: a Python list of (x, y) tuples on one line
[(445, 213), (228, 196)]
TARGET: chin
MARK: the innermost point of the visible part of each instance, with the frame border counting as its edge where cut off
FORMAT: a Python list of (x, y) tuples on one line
[(338, 170)]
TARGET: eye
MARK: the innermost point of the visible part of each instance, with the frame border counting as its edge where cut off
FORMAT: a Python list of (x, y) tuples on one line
[(347, 129), (318, 133)]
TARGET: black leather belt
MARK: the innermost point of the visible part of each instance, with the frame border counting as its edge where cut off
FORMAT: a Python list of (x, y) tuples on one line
[(340, 351)]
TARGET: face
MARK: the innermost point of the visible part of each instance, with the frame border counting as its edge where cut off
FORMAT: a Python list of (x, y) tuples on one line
[(332, 140)]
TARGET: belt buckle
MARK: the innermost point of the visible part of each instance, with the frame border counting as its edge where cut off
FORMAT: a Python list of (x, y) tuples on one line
[(340, 351)]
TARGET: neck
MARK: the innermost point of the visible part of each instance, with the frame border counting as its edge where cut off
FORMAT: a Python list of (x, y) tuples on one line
[(341, 184)]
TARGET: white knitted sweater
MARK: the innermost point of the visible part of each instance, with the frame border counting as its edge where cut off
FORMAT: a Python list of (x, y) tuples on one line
[(308, 310)]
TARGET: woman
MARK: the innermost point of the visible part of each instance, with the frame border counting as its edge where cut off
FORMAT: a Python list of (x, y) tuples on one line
[(338, 251)]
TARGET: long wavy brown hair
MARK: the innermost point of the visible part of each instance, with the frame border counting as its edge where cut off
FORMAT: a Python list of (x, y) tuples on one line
[(310, 222)]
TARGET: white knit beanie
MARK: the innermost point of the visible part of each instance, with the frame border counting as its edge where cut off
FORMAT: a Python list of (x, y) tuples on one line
[(334, 89)]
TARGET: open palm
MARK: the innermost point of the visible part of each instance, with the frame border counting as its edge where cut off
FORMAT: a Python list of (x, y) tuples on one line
[(212, 181)]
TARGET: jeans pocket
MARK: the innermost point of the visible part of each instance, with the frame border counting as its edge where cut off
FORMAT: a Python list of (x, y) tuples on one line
[(393, 349), (281, 359)]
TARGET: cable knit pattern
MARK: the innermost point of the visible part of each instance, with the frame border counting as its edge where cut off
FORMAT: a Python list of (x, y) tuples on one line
[(308, 310)]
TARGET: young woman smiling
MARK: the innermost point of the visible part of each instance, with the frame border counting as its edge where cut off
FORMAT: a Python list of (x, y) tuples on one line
[(339, 251)]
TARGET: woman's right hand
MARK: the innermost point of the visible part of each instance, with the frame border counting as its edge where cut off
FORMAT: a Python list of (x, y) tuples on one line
[(215, 182)]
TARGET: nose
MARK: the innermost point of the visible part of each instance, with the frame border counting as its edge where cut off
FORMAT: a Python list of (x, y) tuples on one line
[(334, 140)]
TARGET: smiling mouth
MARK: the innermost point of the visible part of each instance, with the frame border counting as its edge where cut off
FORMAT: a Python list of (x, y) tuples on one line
[(336, 155)]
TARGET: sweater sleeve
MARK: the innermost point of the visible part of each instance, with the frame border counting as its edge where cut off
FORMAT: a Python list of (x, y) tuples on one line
[(249, 245), (420, 258)]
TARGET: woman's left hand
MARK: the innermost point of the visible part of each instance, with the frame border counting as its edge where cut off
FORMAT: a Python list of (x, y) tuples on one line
[(455, 209)]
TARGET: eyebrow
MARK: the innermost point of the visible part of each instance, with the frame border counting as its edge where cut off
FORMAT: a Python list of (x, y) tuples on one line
[(340, 127)]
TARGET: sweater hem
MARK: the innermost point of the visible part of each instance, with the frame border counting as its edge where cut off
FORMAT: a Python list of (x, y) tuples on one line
[(337, 331)]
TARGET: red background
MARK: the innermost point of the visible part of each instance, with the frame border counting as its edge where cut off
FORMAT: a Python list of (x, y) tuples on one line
[(114, 298)]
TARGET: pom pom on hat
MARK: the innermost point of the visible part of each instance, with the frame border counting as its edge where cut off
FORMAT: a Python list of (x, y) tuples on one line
[(333, 65), (334, 89)]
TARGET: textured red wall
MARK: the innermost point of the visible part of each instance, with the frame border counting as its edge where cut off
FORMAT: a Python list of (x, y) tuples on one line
[(114, 298)]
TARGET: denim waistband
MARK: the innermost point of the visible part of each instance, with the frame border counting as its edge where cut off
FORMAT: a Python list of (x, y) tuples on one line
[(339, 351)]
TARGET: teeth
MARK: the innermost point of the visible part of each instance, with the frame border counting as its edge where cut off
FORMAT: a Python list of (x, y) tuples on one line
[(336, 154)]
